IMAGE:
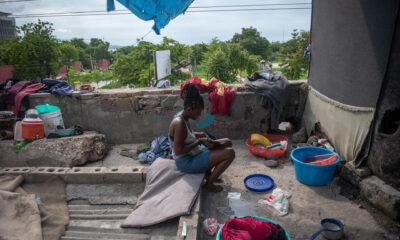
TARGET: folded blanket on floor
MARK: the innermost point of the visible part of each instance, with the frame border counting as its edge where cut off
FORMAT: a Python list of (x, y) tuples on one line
[(168, 193), (19, 213)]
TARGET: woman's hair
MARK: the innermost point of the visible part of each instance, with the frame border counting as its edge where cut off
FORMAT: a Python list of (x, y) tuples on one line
[(191, 97)]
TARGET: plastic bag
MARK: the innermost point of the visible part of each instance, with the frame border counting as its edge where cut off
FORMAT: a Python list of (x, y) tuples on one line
[(210, 226), (278, 200)]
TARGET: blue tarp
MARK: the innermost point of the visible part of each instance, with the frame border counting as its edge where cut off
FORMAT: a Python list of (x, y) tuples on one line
[(161, 11)]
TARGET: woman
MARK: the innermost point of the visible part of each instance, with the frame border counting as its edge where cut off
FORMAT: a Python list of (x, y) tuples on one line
[(193, 151)]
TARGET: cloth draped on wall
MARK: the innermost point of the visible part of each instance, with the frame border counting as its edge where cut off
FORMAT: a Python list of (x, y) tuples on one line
[(158, 10), (220, 96), (346, 126), (273, 87), (24, 92)]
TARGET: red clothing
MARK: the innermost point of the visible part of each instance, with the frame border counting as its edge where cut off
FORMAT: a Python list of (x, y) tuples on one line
[(248, 228), (26, 91), (220, 96)]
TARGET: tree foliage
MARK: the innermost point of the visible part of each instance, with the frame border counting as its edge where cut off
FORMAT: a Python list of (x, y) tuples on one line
[(35, 52), (292, 55), (251, 40)]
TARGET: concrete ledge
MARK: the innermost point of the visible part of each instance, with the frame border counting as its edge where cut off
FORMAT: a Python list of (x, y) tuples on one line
[(80, 175), (192, 222), (354, 175), (384, 197)]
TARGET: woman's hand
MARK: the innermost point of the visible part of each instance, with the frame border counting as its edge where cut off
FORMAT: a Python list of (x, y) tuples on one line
[(205, 141), (200, 134)]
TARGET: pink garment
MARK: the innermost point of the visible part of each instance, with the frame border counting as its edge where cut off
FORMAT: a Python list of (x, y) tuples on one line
[(26, 91)]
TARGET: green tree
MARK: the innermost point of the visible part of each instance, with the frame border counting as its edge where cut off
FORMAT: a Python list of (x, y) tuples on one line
[(292, 54), (98, 49), (198, 50), (7, 49), (251, 40), (36, 52), (218, 66), (68, 53)]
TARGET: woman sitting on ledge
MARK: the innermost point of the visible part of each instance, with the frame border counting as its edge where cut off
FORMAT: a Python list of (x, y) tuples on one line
[(194, 152)]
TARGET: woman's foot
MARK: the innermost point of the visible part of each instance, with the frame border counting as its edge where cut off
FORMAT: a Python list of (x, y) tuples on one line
[(212, 188)]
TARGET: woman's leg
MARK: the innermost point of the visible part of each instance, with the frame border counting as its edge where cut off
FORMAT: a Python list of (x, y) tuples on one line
[(220, 159)]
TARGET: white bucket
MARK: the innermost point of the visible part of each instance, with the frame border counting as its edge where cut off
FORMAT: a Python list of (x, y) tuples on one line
[(51, 121)]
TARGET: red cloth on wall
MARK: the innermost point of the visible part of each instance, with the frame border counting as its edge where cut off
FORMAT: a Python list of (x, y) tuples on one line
[(220, 96)]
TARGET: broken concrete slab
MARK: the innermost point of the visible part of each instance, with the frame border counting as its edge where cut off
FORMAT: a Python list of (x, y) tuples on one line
[(381, 195), (354, 175), (56, 152)]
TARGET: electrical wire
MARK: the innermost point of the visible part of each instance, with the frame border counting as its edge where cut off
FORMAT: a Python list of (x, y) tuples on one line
[(126, 13), (18, 1)]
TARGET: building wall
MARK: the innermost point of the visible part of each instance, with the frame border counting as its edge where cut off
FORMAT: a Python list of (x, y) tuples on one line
[(7, 27), (139, 115)]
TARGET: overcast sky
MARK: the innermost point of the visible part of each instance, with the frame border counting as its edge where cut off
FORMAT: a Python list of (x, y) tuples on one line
[(189, 28)]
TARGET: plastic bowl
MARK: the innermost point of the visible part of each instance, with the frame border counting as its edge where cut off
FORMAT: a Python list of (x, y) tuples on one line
[(310, 174), (219, 237), (264, 152)]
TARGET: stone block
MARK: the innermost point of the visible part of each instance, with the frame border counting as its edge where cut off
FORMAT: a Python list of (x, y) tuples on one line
[(86, 96), (41, 174), (354, 175), (56, 152), (383, 196), (122, 95), (123, 175), (134, 94), (16, 170), (148, 102), (40, 95), (86, 175), (75, 94)]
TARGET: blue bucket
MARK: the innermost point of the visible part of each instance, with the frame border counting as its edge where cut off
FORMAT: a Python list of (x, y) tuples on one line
[(310, 174)]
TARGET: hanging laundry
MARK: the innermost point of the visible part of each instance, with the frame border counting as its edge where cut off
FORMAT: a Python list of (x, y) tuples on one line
[(158, 10), (220, 96)]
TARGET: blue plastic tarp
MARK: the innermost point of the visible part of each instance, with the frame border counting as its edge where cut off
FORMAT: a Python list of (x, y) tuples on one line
[(161, 11)]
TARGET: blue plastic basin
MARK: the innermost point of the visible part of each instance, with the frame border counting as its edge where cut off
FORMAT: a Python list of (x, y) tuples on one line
[(310, 174)]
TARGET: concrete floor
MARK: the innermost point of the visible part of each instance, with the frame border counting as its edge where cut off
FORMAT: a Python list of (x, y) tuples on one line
[(308, 205)]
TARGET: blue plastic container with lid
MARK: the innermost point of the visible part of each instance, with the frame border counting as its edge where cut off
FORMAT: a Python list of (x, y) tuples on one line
[(310, 174)]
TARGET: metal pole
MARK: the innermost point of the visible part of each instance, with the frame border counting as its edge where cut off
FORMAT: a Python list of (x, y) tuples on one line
[(148, 63)]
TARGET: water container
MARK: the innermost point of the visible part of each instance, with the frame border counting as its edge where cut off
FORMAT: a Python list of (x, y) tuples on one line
[(18, 132), (52, 117), (32, 125)]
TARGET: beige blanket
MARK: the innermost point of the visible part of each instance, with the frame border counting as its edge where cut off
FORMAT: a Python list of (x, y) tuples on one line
[(19, 213), (168, 193), (24, 216)]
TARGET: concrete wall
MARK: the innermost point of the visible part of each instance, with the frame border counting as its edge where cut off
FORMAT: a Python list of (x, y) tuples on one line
[(133, 116), (384, 158)]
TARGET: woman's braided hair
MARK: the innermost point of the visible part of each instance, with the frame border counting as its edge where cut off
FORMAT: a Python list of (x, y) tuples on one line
[(191, 97)]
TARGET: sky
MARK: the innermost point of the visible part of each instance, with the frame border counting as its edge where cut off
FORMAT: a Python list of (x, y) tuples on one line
[(190, 28)]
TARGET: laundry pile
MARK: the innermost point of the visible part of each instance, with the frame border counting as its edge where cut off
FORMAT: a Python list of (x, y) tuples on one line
[(14, 93)]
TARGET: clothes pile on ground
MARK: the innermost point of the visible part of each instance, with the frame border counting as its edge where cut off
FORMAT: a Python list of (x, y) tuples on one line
[(317, 138), (273, 87), (220, 96), (249, 228), (14, 93), (159, 149)]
